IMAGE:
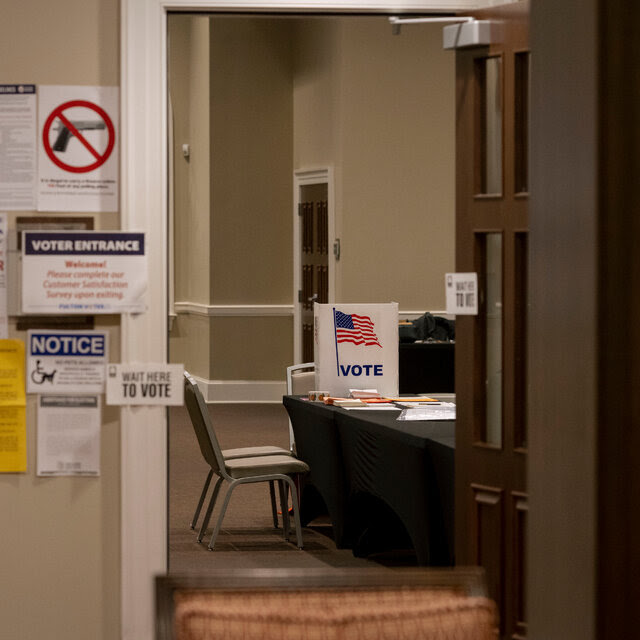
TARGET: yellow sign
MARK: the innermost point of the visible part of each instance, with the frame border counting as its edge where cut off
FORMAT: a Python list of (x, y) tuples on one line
[(13, 431)]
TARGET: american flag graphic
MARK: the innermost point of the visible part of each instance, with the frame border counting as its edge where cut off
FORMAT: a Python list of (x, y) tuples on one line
[(356, 329)]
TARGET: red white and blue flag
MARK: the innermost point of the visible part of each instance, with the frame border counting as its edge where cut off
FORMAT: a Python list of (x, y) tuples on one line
[(354, 328)]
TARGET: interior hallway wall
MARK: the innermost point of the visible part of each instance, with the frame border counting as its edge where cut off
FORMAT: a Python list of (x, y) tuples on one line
[(60, 551), (380, 109), (308, 93), (233, 204), (189, 89)]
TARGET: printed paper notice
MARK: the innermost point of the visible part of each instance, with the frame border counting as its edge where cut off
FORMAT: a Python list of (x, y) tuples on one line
[(68, 435), (4, 324), (13, 433), (66, 361), (462, 293), (83, 272), (17, 147), (78, 158)]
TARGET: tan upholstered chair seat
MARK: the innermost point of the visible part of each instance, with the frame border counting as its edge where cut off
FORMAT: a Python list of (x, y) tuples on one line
[(252, 452), (248, 467), (405, 614)]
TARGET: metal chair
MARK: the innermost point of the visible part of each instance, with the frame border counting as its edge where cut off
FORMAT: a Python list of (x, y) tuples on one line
[(235, 471), (243, 452), (300, 380)]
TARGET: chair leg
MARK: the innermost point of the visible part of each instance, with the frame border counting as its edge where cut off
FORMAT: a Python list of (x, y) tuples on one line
[(296, 513), (274, 507), (207, 515), (196, 515), (284, 505), (225, 504)]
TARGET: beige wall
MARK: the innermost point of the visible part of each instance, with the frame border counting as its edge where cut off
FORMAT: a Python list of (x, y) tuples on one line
[(189, 88), (235, 239), (60, 550), (396, 137), (380, 109), (339, 92)]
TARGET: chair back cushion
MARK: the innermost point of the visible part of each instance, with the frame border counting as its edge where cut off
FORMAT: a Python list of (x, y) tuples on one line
[(302, 383), (385, 614), (201, 422)]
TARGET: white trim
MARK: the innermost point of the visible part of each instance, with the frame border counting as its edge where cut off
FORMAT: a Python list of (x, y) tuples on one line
[(245, 391), (264, 310), (226, 310), (144, 208)]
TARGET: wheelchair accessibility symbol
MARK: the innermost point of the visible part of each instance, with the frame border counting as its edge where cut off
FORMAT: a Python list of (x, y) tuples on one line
[(40, 376)]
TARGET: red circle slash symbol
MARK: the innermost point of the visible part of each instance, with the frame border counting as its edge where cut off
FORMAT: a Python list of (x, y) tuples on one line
[(68, 128)]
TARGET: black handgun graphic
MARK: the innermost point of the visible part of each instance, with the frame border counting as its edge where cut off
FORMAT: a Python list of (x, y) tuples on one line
[(64, 133)]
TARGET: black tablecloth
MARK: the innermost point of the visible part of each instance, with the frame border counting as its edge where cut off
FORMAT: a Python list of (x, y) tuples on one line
[(372, 471)]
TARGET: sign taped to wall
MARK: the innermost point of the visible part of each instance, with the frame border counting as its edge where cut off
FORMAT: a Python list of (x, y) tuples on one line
[(78, 159), (68, 435), (66, 361), (18, 147), (13, 400), (159, 384), (83, 272)]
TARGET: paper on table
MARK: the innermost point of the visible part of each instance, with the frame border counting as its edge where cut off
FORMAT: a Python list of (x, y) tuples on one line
[(442, 411), (374, 407)]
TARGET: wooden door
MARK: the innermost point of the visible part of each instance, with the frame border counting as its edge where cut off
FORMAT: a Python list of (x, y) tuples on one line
[(313, 213), (491, 239)]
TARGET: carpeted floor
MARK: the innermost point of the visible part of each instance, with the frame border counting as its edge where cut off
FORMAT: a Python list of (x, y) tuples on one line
[(247, 538)]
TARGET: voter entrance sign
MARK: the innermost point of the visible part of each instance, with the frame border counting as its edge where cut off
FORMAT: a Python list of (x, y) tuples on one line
[(83, 272), (66, 361), (356, 347), (78, 159), (145, 384)]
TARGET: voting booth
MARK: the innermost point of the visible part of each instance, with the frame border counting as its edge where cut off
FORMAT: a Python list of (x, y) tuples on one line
[(356, 347)]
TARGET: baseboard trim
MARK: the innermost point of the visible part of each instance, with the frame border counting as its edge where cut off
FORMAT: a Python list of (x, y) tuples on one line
[(242, 391)]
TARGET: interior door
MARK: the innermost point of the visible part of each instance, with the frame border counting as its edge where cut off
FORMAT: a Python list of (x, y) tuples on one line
[(492, 85), (314, 254)]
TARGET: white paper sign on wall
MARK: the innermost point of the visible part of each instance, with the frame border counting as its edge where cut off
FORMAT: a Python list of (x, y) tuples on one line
[(462, 293), (160, 384)]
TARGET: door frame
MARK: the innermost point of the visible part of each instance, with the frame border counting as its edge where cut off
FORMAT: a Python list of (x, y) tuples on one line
[(301, 178), (144, 207)]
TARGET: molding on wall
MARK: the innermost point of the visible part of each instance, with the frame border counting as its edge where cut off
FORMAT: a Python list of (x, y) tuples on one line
[(218, 310), (264, 310), (245, 391)]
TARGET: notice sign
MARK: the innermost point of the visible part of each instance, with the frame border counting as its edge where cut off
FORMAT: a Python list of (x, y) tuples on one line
[(68, 435), (83, 272), (17, 147), (462, 293), (78, 160), (161, 384), (13, 429), (66, 361)]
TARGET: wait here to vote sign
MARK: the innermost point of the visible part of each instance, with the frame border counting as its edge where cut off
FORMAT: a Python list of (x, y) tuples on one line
[(83, 272), (161, 384)]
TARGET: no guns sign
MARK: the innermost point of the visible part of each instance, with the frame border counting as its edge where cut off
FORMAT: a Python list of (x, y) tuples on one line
[(61, 126), (160, 384), (78, 148)]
